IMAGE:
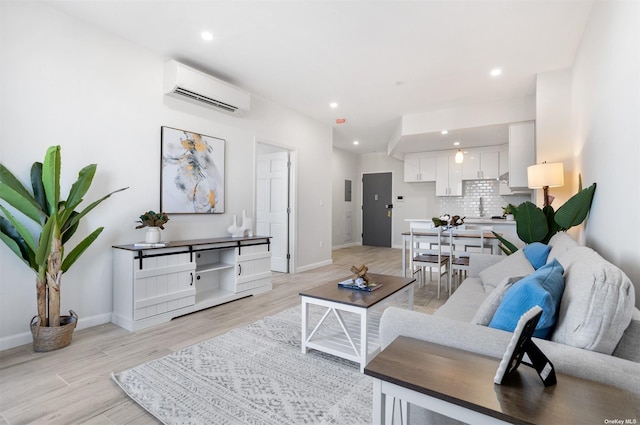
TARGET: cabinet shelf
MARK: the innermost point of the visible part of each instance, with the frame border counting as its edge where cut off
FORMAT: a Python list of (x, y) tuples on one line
[(214, 296), (210, 267)]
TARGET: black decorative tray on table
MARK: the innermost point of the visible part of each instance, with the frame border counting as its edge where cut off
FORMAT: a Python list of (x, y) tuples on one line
[(351, 284)]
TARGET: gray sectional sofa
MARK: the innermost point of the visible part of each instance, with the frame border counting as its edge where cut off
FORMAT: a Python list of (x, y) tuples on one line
[(597, 333)]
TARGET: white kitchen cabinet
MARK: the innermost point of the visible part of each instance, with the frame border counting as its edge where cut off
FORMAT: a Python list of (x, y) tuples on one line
[(504, 160), (448, 176), (521, 153), (419, 168), (154, 285), (479, 164)]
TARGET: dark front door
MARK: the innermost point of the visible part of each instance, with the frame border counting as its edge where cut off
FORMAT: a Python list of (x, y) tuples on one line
[(376, 209)]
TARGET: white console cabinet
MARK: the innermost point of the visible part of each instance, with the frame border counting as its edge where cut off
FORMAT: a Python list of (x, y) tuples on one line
[(154, 285)]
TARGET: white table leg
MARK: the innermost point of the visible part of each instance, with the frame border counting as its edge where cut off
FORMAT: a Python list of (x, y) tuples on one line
[(305, 320), (364, 339), (378, 403), (410, 295), (404, 255)]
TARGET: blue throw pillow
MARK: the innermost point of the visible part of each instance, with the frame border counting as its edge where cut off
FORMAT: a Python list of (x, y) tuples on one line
[(537, 254), (544, 287)]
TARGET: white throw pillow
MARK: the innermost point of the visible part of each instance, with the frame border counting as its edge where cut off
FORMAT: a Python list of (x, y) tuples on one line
[(597, 303), (490, 304), (515, 264), (560, 243)]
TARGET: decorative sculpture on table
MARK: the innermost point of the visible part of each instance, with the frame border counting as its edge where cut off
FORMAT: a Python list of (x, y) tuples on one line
[(360, 280), (360, 273), (245, 228)]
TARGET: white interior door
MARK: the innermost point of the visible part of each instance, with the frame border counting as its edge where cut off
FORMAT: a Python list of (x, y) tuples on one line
[(272, 214)]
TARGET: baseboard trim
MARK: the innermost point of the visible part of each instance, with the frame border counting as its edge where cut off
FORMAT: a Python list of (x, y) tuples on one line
[(347, 245), (314, 266), (24, 338)]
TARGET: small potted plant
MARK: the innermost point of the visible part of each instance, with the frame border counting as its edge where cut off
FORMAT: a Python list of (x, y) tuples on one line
[(154, 222), (509, 211)]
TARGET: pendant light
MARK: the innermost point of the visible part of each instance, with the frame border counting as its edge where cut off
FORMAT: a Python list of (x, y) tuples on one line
[(459, 155)]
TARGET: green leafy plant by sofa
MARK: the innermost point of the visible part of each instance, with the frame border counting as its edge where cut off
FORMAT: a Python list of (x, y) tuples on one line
[(52, 220), (539, 225)]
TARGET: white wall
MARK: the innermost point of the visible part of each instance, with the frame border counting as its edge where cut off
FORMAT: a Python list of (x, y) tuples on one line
[(606, 130), (346, 166), (553, 130), (100, 98)]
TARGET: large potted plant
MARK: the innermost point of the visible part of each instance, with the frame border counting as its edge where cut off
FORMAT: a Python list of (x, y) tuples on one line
[(539, 225), (38, 235)]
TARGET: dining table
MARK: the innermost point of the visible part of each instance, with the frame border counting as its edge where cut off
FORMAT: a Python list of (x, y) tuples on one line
[(430, 236)]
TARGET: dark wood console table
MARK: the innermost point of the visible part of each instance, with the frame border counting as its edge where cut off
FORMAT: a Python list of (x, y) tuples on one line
[(459, 384)]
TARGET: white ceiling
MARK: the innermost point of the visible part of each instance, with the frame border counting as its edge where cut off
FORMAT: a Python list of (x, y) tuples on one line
[(378, 59)]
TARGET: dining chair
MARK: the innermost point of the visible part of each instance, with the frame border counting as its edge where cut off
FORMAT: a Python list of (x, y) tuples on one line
[(463, 241), (426, 251)]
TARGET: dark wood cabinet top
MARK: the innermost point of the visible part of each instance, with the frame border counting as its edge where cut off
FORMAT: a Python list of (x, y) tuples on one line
[(198, 242), (330, 291), (466, 379)]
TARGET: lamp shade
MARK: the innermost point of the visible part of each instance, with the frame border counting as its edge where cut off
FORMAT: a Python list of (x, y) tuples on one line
[(549, 175)]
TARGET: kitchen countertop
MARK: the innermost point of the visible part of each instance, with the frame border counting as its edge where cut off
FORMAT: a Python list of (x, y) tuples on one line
[(487, 220), (473, 220)]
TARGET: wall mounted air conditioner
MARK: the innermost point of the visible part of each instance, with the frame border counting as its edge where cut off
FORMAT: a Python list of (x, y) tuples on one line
[(189, 84)]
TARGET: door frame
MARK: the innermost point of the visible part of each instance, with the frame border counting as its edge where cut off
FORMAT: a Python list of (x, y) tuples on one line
[(362, 201), (293, 178)]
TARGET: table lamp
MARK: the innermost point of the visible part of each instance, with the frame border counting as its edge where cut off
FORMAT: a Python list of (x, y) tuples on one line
[(543, 176)]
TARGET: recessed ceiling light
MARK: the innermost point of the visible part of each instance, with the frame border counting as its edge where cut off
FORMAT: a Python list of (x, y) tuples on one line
[(206, 35), (333, 105), (355, 142), (456, 143), (495, 72), (444, 132)]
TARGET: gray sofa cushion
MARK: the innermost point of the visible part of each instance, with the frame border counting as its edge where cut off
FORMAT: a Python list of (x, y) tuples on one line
[(515, 264), (490, 304), (597, 303), (464, 302)]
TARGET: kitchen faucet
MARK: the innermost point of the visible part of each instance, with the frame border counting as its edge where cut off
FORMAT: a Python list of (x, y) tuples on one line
[(480, 208)]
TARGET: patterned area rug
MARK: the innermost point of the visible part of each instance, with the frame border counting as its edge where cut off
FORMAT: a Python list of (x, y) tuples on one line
[(252, 375)]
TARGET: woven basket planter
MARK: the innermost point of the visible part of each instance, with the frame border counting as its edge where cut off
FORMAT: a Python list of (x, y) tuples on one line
[(47, 338)]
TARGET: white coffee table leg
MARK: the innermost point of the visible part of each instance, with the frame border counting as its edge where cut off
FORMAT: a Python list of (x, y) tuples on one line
[(364, 338), (305, 319), (378, 402)]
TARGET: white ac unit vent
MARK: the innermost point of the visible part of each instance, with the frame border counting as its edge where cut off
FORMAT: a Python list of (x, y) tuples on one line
[(189, 84)]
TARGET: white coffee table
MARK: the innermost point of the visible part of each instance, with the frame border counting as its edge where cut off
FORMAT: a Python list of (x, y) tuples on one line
[(354, 333)]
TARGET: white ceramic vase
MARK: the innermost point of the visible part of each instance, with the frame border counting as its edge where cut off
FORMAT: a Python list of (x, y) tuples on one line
[(247, 224), (235, 230), (152, 235)]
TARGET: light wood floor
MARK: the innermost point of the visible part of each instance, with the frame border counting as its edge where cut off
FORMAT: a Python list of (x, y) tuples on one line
[(73, 385)]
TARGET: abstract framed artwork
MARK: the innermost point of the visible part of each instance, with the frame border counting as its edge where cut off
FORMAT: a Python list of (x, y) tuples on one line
[(191, 172)]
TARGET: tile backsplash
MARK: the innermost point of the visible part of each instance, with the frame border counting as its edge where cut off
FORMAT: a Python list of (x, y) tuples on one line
[(468, 205)]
